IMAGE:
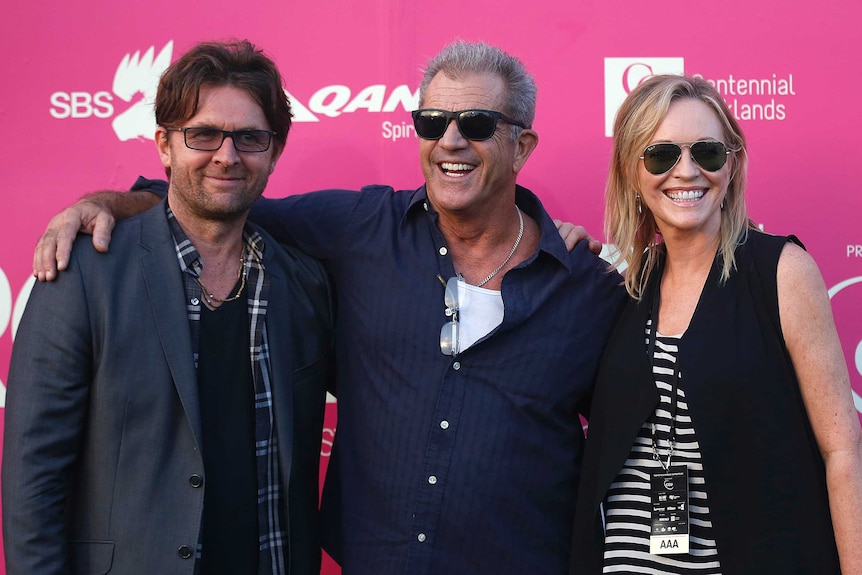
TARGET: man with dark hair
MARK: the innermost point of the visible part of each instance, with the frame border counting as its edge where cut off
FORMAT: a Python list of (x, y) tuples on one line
[(468, 339), (165, 401)]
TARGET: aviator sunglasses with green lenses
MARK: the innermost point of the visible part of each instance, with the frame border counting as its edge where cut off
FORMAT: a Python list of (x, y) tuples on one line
[(662, 157)]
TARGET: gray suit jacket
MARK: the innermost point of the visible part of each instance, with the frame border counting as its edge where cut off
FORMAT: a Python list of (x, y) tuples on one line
[(102, 453)]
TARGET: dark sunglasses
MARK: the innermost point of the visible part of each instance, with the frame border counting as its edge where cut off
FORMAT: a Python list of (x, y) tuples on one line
[(661, 158), (476, 125)]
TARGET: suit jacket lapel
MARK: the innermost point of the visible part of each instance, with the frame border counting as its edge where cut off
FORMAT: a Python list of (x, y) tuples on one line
[(279, 330), (166, 296)]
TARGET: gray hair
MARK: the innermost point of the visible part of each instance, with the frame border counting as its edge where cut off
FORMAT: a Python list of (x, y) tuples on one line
[(460, 58)]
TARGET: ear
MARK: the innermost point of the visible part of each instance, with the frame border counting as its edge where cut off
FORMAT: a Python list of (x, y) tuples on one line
[(527, 141), (163, 146)]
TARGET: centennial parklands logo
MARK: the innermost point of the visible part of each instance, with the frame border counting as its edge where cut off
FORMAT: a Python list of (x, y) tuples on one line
[(764, 96), (622, 75), (129, 102)]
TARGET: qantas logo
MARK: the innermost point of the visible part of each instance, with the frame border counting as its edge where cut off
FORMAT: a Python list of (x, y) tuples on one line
[(129, 103)]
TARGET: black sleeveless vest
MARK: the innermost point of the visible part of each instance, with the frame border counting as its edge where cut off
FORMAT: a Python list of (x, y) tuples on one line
[(765, 476)]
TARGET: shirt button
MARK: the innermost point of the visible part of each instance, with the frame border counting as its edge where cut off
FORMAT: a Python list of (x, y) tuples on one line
[(456, 366), (195, 301), (421, 538), (185, 552), (444, 424), (443, 251), (432, 479), (196, 480)]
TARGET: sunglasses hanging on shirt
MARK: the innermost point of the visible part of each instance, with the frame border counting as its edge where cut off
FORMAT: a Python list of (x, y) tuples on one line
[(450, 332)]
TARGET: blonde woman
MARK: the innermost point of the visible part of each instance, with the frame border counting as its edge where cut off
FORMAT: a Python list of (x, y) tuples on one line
[(723, 437)]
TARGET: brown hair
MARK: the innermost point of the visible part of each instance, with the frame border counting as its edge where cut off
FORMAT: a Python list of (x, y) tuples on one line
[(238, 64)]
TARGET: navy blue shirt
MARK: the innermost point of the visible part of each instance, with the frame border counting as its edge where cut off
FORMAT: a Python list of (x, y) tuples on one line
[(464, 465)]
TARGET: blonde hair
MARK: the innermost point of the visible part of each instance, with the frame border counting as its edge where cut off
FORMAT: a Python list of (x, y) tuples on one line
[(636, 234)]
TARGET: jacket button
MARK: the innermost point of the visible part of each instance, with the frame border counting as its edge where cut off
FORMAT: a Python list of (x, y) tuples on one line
[(196, 480), (185, 552)]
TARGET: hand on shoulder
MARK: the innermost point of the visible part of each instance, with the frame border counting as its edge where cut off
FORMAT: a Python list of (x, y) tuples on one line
[(573, 234), (94, 214)]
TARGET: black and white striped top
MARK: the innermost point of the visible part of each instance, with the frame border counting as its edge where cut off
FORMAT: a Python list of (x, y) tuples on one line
[(627, 505)]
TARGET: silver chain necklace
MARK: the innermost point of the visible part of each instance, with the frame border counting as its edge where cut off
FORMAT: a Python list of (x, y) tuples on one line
[(511, 253), (241, 275)]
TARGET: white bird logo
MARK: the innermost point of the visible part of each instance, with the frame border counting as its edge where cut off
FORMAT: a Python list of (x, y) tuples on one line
[(135, 75)]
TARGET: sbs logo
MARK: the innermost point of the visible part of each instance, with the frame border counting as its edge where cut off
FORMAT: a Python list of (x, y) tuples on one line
[(136, 80)]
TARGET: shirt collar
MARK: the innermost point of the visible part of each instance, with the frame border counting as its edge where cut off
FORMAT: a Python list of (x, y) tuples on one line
[(550, 240), (418, 203), (190, 259)]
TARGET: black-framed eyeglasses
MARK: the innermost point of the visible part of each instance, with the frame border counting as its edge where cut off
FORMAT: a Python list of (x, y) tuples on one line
[(476, 125), (211, 139), (662, 157), (450, 332)]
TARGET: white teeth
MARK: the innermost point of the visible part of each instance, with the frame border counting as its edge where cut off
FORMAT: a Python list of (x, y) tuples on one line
[(686, 195), (458, 169)]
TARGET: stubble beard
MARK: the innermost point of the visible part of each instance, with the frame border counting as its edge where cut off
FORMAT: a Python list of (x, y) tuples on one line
[(204, 204)]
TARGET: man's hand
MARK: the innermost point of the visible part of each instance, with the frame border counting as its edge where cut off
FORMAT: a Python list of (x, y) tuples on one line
[(572, 234), (55, 246), (94, 214)]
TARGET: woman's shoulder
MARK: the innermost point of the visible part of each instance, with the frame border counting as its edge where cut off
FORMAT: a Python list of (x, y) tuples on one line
[(767, 249), (761, 240)]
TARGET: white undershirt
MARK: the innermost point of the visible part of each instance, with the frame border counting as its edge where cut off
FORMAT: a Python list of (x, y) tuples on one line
[(480, 312)]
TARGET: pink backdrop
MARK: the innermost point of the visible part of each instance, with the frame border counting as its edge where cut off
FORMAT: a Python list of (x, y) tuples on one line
[(76, 77)]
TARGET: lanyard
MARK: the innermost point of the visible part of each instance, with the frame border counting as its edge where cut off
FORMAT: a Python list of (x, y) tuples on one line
[(674, 382)]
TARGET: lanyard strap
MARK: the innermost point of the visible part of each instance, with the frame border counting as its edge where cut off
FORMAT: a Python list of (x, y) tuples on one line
[(674, 382)]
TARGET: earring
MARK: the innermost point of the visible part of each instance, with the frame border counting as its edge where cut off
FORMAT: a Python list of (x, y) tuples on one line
[(723, 202), (638, 202)]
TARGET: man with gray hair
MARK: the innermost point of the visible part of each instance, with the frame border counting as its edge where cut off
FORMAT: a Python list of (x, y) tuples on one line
[(468, 339)]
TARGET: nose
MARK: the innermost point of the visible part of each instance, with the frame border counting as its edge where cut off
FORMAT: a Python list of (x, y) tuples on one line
[(227, 153), (686, 167), (452, 137)]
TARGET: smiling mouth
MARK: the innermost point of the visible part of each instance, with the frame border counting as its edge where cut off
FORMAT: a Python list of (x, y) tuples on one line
[(456, 170), (685, 196), (224, 179)]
